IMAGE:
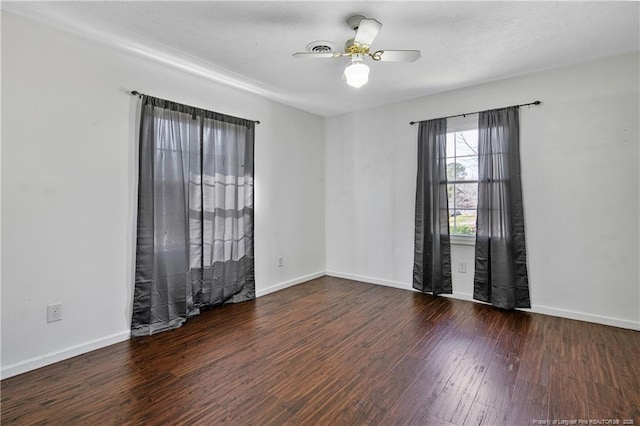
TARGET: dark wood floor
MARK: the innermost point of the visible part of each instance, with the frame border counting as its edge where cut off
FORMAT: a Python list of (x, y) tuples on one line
[(333, 351)]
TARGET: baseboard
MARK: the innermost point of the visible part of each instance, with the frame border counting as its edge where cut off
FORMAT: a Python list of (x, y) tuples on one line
[(60, 355), (582, 316), (290, 283), (394, 284), (370, 280), (538, 309)]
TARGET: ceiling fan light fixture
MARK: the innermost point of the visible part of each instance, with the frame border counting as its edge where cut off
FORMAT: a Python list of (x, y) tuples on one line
[(357, 49), (357, 74)]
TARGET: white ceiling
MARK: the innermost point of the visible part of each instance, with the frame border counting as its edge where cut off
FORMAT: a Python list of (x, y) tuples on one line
[(249, 44)]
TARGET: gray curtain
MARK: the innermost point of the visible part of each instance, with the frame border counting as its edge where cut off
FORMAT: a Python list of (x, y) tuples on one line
[(432, 256), (500, 251), (195, 214)]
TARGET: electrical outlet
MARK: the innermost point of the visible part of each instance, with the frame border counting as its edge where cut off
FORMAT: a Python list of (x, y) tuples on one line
[(54, 312), (280, 262), (462, 267)]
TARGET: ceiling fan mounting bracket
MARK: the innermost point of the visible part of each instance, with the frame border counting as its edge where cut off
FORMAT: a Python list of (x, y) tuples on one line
[(354, 21)]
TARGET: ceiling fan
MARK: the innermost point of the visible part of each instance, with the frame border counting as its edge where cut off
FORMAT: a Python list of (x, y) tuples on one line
[(357, 72)]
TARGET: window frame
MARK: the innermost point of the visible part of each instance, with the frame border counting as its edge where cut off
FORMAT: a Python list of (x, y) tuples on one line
[(460, 124)]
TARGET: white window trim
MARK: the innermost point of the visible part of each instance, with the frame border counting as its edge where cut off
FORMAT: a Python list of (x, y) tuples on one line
[(462, 240)]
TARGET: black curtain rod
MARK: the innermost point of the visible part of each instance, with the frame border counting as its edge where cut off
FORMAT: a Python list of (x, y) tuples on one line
[(136, 93), (476, 112)]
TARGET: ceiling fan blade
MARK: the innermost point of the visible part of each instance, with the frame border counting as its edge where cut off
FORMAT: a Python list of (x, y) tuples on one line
[(367, 31), (317, 55), (396, 55)]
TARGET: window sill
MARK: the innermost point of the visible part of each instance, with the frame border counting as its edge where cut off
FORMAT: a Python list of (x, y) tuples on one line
[(463, 240)]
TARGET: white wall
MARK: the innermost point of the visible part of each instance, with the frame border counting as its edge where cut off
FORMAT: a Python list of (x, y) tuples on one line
[(69, 187), (580, 170)]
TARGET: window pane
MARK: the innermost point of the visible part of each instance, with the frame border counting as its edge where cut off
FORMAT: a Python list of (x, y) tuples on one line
[(456, 170), (469, 167), (452, 223), (464, 223), (450, 197), (466, 143), (466, 195), (451, 142)]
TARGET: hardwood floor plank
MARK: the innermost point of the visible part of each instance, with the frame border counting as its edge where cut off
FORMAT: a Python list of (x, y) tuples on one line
[(457, 396), (530, 401), (334, 351), (480, 414), (498, 383)]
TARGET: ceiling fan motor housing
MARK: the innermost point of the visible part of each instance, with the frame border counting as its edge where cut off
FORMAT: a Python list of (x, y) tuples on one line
[(348, 44)]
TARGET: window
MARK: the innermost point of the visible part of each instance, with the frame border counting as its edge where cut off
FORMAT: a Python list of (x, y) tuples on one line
[(462, 174)]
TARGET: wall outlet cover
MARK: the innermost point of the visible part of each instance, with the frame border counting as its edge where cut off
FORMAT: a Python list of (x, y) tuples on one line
[(54, 312)]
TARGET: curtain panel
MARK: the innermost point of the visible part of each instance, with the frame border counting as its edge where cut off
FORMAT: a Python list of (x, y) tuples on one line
[(432, 254), (195, 214), (500, 251)]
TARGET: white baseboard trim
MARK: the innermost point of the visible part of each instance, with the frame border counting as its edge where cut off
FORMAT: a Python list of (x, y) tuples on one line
[(582, 316), (62, 354), (370, 280), (281, 286), (538, 309)]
